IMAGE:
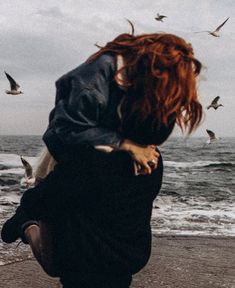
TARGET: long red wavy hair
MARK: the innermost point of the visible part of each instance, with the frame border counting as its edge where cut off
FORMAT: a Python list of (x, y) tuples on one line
[(161, 75)]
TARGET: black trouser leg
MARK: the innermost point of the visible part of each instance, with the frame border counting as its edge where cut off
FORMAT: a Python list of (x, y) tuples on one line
[(40, 240)]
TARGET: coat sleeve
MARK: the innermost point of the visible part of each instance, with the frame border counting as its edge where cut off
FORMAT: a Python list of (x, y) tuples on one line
[(77, 116)]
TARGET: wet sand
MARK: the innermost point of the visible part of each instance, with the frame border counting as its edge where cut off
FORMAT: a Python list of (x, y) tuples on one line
[(176, 262)]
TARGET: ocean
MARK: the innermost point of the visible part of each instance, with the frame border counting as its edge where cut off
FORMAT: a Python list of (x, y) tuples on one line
[(197, 195)]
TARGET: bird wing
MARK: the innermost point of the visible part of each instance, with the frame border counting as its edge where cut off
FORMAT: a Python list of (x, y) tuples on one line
[(215, 100), (28, 168), (132, 26), (160, 17), (221, 25), (211, 134), (13, 84)]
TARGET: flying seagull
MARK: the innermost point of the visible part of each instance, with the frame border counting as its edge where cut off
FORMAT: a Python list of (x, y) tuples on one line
[(28, 179), (160, 17), (14, 86), (215, 33), (214, 104), (212, 136)]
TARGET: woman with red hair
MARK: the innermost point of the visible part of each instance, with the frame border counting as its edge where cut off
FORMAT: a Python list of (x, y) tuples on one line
[(110, 115)]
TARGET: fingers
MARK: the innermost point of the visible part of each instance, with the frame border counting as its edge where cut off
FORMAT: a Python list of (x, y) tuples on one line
[(150, 162), (156, 156), (156, 153), (140, 170), (145, 156), (148, 169), (153, 164), (153, 146), (144, 168)]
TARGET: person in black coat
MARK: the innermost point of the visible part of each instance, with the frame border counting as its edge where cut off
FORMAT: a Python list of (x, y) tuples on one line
[(88, 221)]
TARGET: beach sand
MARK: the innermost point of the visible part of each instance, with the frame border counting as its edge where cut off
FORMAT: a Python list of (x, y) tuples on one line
[(176, 262)]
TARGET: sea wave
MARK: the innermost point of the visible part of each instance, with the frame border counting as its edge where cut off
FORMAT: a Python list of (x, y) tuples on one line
[(221, 164), (15, 171), (198, 164), (192, 216), (12, 161), (11, 164)]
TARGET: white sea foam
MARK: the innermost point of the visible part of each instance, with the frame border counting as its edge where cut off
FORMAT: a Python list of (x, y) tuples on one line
[(175, 175), (11, 163), (194, 217), (13, 160), (10, 199)]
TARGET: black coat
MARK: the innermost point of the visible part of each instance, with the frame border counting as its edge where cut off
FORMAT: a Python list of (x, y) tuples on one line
[(85, 113), (99, 210)]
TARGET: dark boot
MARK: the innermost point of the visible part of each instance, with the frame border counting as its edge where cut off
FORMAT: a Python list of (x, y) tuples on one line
[(14, 227)]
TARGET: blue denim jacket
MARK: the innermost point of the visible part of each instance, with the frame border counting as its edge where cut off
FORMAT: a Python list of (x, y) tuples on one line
[(85, 111)]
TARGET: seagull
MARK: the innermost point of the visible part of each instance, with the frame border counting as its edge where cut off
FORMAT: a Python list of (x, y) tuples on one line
[(160, 17), (214, 104), (28, 179), (212, 136), (14, 86), (215, 33)]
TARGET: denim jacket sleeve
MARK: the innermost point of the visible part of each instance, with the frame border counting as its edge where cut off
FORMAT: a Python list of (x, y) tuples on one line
[(81, 100)]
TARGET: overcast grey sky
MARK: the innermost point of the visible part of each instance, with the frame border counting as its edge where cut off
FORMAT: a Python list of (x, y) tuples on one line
[(41, 40)]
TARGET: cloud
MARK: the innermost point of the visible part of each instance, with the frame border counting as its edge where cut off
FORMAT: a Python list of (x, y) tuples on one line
[(54, 12), (41, 40)]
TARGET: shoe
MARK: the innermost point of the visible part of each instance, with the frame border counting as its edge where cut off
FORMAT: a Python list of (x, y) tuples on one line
[(14, 227)]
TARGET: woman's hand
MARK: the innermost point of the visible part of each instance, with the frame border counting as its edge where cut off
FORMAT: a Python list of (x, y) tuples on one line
[(145, 156)]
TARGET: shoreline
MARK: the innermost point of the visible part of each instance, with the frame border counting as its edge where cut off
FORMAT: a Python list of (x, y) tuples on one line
[(176, 262)]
